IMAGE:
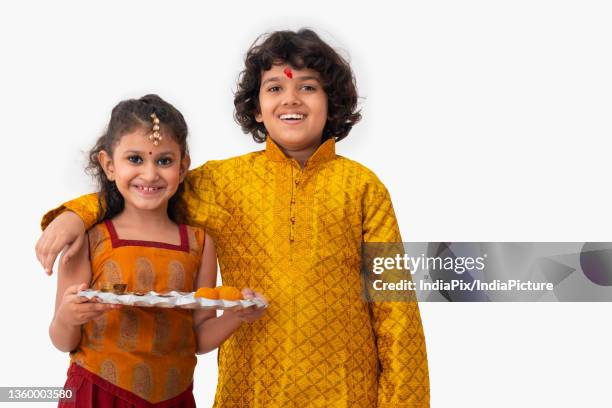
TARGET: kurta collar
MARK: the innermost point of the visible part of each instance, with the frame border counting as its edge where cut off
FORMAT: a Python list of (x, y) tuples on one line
[(324, 153)]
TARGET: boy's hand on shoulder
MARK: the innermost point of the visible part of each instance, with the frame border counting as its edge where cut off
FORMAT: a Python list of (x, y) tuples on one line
[(66, 232), (253, 313), (76, 310)]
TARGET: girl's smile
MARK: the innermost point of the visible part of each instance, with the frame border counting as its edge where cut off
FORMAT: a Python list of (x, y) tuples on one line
[(148, 191)]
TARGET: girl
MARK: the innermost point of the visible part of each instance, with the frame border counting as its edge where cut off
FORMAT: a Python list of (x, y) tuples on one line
[(291, 220), (131, 356)]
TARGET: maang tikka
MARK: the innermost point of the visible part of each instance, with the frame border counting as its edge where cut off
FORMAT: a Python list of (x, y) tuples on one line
[(155, 136)]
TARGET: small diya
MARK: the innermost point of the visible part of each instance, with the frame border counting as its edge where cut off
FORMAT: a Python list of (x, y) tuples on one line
[(119, 288)]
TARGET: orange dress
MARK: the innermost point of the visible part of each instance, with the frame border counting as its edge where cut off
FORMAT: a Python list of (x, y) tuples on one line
[(147, 351)]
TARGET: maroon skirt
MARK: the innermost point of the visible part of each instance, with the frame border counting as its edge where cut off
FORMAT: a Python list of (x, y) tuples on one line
[(92, 391)]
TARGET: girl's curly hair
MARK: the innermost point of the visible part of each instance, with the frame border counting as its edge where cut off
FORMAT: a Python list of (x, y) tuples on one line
[(301, 49)]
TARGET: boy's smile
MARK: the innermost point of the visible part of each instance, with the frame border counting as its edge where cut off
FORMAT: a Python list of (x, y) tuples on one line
[(293, 109)]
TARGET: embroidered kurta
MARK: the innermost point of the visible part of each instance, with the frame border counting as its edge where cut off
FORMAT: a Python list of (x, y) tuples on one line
[(295, 235), (145, 350)]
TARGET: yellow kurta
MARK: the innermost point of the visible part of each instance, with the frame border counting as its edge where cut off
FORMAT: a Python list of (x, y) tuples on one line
[(295, 235)]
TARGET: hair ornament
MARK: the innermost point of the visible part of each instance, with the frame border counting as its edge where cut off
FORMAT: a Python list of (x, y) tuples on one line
[(155, 136)]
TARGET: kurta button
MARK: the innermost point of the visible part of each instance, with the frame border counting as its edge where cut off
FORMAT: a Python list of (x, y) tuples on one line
[(293, 201), (293, 219), (297, 182)]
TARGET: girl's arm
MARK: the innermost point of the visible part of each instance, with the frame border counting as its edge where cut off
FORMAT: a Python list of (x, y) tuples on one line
[(211, 330), (72, 311)]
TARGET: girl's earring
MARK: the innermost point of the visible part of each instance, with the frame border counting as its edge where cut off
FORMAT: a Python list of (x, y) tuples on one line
[(262, 135)]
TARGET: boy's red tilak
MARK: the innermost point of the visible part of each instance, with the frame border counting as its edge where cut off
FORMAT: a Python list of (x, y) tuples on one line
[(287, 71)]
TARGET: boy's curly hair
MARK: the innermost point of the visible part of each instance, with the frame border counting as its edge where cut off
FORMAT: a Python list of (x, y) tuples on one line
[(301, 49)]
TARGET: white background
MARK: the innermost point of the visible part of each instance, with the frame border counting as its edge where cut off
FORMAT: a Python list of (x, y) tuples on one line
[(487, 121)]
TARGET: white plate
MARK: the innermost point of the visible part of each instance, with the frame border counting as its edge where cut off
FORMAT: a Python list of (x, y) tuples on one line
[(169, 300)]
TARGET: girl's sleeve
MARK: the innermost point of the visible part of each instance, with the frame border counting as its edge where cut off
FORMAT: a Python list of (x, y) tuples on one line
[(190, 202), (404, 376)]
